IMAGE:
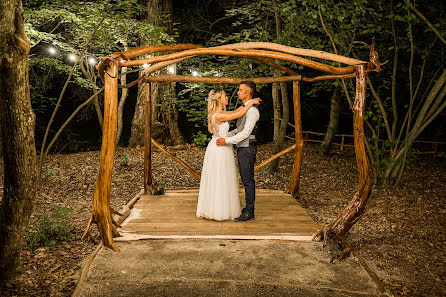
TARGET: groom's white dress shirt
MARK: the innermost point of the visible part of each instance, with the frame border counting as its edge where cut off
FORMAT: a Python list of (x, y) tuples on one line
[(252, 116)]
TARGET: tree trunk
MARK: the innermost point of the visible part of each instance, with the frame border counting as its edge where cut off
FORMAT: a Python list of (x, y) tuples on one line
[(431, 108), (285, 113), (276, 110), (169, 113), (164, 109), (279, 105), (124, 91), (17, 123), (1, 142), (335, 110)]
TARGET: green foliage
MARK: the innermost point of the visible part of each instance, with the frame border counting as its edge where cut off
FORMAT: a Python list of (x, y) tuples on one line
[(255, 21), (67, 26), (50, 229), (200, 139), (59, 67), (124, 162), (50, 173)]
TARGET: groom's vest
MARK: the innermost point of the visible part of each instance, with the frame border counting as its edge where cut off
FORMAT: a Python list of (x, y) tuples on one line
[(240, 125)]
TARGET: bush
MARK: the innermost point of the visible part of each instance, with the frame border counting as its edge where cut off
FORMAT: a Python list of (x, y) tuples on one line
[(50, 229), (200, 139), (124, 160)]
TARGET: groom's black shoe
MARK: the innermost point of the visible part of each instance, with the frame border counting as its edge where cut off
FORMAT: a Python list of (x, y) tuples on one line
[(245, 216)]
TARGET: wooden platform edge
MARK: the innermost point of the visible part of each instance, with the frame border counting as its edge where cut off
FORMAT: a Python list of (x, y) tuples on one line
[(128, 237)]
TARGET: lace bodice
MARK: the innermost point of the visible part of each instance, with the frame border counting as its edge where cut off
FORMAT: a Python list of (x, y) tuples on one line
[(220, 130)]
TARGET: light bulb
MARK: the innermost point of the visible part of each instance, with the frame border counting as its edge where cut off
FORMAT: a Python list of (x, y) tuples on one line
[(52, 50), (72, 57)]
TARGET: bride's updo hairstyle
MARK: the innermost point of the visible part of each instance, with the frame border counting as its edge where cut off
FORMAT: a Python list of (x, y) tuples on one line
[(213, 100)]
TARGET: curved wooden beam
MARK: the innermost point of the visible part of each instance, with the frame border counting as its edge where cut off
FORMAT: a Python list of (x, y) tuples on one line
[(168, 78), (161, 65), (273, 64), (150, 49), (127, 55), (132, 53), (293, 50), (242, 53), (356, 207), (136, 52), (325, 77)]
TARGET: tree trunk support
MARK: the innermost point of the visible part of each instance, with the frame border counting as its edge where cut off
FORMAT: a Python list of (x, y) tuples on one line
[(293, 187), (274, 157), (150, 186), (355, 209), (192, 171), (101, 213)]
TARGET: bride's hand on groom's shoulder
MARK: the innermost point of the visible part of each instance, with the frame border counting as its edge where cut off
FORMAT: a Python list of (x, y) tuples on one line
[(256, 101)]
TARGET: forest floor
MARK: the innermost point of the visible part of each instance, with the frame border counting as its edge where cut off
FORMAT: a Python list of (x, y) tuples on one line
[(401, 235)]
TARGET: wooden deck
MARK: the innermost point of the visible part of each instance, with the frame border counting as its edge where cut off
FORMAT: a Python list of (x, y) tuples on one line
[(278, 216)]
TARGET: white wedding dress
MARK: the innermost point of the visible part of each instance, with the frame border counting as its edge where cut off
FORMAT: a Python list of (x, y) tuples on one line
[(218, 197)]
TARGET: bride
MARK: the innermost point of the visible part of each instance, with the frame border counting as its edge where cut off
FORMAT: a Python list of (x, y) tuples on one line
[(218, 196)]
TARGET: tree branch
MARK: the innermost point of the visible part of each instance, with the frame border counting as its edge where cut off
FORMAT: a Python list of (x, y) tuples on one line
[(54, 29), (428, 23), (42, 155)]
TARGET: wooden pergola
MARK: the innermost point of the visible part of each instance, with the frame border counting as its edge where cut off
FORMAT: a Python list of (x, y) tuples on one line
[(262, 52)]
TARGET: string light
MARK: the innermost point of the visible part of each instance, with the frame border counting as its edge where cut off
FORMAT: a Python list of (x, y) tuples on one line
[(145, 65), (171, 69), (92, 60), (194, 73), (52, 50), (72, 57)]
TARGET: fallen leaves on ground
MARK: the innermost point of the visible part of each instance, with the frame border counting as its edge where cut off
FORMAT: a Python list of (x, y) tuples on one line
[(401, 235)]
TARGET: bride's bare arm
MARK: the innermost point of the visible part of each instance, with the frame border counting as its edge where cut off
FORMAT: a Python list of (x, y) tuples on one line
[(227, 116)]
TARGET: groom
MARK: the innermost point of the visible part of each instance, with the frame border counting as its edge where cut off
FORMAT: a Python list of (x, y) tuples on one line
[(244, 137)]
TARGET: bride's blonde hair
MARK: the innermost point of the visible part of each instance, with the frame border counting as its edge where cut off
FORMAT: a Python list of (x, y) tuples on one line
[(213, 100)]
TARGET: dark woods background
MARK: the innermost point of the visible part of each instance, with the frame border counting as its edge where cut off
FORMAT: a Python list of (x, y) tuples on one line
[(65, 26)]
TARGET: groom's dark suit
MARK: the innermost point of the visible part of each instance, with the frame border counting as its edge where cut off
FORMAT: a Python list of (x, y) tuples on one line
[(246, 142)]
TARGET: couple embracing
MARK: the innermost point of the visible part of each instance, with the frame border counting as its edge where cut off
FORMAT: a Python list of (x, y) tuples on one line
[(218, 196)]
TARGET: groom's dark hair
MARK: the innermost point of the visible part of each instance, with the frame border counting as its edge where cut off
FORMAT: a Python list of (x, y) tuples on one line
[(251, 85)]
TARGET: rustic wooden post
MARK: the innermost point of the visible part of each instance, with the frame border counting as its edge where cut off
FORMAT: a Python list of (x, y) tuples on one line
[(342, 143), (364, 180), (356, 207), (150, 186), (293, 187), (101, 214), (147, 139)]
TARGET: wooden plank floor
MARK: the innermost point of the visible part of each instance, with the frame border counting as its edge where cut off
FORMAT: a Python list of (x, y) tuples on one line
[(278, 216)]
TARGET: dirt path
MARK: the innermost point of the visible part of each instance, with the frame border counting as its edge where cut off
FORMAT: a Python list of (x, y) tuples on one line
[(223, 268)]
